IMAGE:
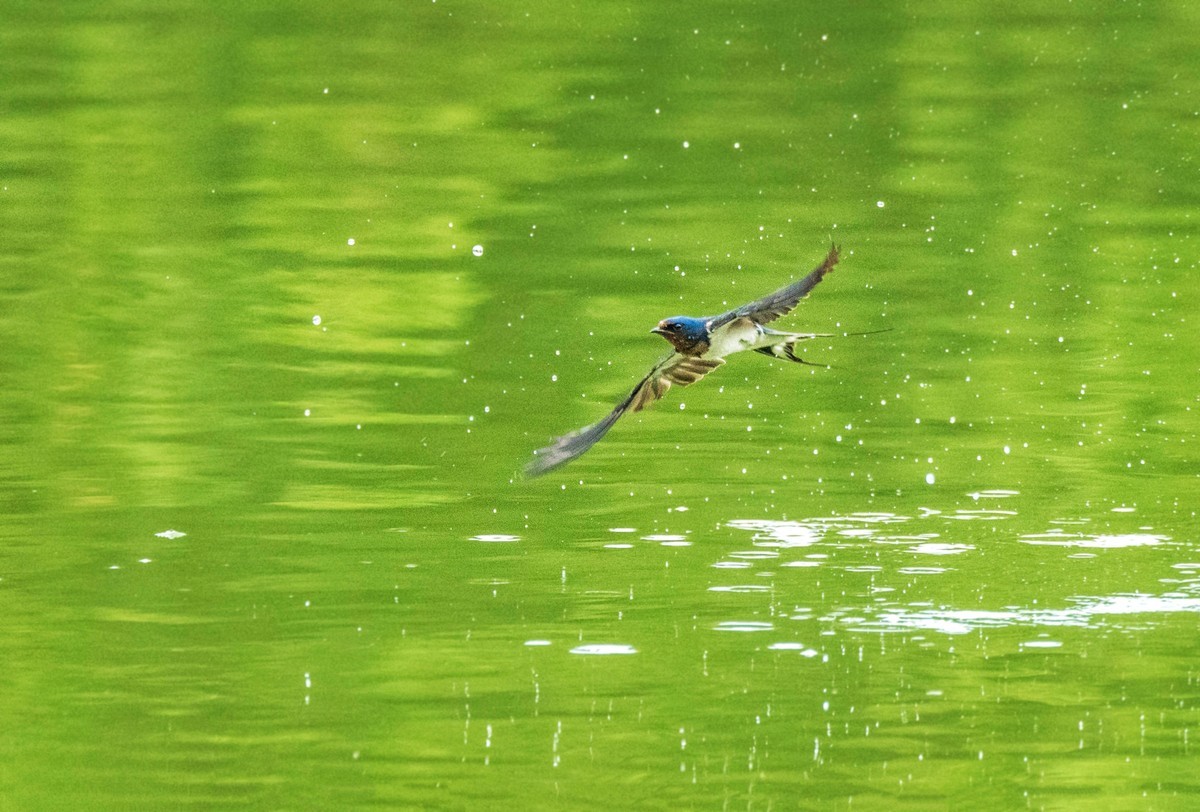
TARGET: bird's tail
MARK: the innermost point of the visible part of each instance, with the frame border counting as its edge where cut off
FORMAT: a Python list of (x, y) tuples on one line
[(785, 348)]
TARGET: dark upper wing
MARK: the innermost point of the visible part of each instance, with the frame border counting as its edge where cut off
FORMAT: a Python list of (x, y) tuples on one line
[(771, 307), (674, 369)]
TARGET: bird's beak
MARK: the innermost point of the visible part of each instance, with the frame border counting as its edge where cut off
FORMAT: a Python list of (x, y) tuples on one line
[(659, 329)]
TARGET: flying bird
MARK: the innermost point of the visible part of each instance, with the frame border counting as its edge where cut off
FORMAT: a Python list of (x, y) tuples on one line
[(700, 346)]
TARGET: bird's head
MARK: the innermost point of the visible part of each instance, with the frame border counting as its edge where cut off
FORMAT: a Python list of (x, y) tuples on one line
[(686, 334)]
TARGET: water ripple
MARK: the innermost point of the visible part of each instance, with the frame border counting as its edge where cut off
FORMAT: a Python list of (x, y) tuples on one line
[(1057, 538), (743, 626), (604, 649), (1086, 613)]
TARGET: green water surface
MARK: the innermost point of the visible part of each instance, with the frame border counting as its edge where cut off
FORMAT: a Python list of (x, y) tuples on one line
[(290, 291)]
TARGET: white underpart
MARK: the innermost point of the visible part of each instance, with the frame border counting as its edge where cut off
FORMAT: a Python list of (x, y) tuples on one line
[(739, 335)]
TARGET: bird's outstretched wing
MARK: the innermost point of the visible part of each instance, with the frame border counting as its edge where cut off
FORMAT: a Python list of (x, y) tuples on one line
[(771, 307), (673, 369)]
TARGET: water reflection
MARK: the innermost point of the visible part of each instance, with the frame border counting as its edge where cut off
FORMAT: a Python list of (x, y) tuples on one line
[(744, 626), (1058, 538), (310, 298), (495, 538), (869, 561), (604, 649), (1092, 611)]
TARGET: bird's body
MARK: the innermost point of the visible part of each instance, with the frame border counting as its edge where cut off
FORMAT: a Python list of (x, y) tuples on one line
[(700, 346), (740, 335)]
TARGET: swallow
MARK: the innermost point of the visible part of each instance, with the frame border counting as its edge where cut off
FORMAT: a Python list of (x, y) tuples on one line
[(700, 345)]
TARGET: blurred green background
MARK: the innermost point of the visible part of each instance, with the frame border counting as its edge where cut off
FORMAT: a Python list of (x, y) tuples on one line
[(308, 283)]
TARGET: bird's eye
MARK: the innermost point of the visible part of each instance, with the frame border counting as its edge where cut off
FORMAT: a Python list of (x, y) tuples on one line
[(673, 327)]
